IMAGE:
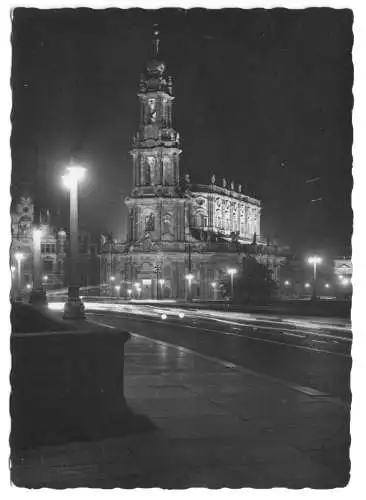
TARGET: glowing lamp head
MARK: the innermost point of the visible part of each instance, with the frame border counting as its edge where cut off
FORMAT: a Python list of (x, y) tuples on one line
[(163, 316), (45, 278), (161, 281), (181, 315), (75, 174), (232, 271), (287, 283), (307, 285), (327, 285), (112, 278), (19, 256), (129, 291), (214, 285), (118, 288), (29, 286), (189, 277), (315, 260)]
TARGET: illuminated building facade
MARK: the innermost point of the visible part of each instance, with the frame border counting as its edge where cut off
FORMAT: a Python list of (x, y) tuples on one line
[(54, 249), (182, 237)]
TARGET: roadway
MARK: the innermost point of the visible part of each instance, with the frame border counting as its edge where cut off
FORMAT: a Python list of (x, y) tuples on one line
[(311, 354)]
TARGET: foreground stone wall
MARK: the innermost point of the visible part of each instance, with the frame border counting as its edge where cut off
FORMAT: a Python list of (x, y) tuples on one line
[(66, 386)]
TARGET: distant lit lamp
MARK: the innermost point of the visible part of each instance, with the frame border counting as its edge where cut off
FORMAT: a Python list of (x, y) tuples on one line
[(214, 287), (327, 285), (189, 278), (232, 271), (118, 288), (287, 283), (38, 297), (19, 257), (129, 292), (112, 278), (307, 285), (74, 307), (314, 260)]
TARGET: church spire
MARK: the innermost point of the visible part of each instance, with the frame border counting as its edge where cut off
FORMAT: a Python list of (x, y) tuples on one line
[(156, 40)]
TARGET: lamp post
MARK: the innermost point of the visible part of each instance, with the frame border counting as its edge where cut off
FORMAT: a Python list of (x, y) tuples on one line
[(74, 307), (161, 283), (157, 269), (189, 278), (129, 292), (214, 287), (138, 289), (118, 288), (232, 271), (38, 295), (314, 260), (112, 279), (19, 257), (13, 280)]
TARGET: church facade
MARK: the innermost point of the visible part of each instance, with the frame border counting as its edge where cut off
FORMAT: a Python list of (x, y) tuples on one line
[(182, 237)]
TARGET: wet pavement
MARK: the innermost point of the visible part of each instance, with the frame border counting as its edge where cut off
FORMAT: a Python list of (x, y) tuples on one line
[(298, 351), (216, 426)]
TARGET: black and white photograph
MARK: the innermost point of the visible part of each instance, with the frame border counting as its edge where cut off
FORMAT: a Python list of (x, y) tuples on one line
[(181, 254)]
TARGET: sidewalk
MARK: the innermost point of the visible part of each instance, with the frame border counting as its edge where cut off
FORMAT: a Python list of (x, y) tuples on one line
[(215, 427)]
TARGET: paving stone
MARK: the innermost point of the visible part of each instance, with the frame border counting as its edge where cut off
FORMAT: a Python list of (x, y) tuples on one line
[(216, 427)]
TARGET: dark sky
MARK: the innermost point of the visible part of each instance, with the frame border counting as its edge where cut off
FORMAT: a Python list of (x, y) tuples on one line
[(263, 97)]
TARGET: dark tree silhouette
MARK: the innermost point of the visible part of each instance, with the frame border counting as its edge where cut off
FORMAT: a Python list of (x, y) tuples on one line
[(255, 283)]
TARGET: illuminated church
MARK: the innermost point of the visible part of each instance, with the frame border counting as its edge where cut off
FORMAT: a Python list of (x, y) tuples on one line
[(182, 237)]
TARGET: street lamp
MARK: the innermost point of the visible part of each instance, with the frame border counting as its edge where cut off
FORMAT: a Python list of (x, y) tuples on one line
[(19, 257), (314, 260), (112, 279), (38, 296), (189, 278), (129, 291), (214, 287), (74, 307), (157, 270), (307, 285), (118, 288), (161, 282), (232, 271)]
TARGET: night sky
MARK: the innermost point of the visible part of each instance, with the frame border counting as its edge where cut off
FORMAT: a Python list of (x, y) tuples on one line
[(263, 97)]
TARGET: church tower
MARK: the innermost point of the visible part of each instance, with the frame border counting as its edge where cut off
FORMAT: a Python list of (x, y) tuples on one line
[(155, 207)]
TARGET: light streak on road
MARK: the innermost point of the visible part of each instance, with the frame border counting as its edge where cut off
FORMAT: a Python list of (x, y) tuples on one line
[(259, 324)]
